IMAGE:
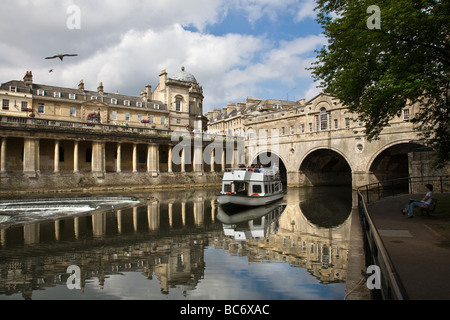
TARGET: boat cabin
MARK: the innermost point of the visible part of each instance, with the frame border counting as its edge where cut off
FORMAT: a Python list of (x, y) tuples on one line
[(251, 182)]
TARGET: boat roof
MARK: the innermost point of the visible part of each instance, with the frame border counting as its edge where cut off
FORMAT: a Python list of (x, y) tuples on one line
[(245, 174)]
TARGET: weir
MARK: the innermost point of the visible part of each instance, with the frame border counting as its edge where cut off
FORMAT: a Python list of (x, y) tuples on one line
[(12, 211)]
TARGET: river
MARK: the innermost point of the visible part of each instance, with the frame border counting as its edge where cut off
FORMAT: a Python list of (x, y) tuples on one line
[(175, 245)]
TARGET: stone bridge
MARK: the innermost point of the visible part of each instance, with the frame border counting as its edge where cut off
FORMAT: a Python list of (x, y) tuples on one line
[(321, 144)]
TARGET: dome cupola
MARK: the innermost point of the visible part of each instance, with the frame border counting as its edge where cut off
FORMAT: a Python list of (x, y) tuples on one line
[(184, 76)]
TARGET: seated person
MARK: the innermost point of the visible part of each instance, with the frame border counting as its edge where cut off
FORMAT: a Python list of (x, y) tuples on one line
[(426, 201)]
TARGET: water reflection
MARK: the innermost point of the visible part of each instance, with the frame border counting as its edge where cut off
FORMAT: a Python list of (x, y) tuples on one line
[(184, 247)]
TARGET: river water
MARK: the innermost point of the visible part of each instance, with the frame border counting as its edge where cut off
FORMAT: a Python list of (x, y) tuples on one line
[(175, 245)]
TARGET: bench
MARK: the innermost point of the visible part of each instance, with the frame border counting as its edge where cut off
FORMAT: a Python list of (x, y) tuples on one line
[(430, 208)]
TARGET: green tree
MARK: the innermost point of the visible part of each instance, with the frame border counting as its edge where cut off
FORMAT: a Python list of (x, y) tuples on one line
[(377, 70)]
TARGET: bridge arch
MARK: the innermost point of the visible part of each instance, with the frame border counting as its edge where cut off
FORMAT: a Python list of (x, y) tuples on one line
[(392, 161), (325, 166), (267, 158)]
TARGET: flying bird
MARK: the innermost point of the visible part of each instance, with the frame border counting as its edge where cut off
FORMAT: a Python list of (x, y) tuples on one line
[(62, 56)]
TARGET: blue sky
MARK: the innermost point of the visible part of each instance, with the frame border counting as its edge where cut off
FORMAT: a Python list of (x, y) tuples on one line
[(235, 48)]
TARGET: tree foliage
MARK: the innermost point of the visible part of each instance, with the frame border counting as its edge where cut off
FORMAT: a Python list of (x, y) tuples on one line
[(377, 72)]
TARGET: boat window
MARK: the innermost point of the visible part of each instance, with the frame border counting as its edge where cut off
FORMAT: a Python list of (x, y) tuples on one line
[(266, 188), (227, 188), (257, 188)]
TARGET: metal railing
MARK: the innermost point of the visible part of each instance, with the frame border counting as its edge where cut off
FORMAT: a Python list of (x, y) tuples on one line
[(375, 252), (411, 185)]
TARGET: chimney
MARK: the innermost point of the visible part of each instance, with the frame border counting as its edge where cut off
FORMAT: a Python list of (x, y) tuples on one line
[(231, 107), (216, 112), (148, 91), (81, 86), (100, 88), (28, 79), (162, 80)]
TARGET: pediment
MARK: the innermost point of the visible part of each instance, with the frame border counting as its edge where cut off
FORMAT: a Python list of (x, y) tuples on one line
[(96, 103)]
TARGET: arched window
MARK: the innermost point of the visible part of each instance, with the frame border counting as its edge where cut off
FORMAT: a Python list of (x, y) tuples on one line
[(323, 119), (178, 103)]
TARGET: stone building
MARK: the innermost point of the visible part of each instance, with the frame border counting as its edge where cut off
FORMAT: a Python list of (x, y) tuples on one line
[(55, 136), (176, 103)]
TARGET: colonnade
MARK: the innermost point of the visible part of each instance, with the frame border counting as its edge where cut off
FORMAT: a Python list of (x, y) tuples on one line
[(34, 156)]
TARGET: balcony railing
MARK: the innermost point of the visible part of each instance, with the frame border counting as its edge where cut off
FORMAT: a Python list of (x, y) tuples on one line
[(71, 126)]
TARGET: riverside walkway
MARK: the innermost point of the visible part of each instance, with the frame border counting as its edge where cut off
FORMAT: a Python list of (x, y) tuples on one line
[(419, 255)]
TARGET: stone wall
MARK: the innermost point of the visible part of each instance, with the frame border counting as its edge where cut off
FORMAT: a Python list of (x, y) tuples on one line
[(17, 183)]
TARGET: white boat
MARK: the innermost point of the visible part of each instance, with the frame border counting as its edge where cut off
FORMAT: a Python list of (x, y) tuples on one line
[(250, 187)]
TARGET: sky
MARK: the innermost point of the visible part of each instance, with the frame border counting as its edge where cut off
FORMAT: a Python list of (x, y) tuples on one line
[(234, 48)]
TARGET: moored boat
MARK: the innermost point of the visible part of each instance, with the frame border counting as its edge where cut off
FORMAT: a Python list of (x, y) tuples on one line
[(250, 187)]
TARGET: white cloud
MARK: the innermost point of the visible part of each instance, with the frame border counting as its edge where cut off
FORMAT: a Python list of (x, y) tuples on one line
[(306, 10), (125, 44)]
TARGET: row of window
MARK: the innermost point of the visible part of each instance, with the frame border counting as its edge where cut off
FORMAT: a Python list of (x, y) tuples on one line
[(6, 104), (323, 122), (73, 96), (73, 112)]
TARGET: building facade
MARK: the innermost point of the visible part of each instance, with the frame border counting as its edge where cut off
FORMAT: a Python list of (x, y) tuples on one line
[(176, 103), (55, 137)]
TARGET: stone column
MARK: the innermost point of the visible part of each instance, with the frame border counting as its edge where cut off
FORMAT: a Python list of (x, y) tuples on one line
[(170, 213), (135, 218), (198, 160), (198, 152), (212, 159), (3, 156), (76, 227), (56, 157), (57, 229), (30, 157), (98, 159), (119, 221), (119, 158), (183, 212), (183, 160), (135, 158), (153, 160), (169, 161), (76, 160)]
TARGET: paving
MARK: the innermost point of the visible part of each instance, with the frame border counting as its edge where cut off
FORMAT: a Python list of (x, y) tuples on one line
[(419, 255)]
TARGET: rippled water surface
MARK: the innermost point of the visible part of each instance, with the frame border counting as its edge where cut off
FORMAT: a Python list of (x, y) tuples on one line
[(175, 245)]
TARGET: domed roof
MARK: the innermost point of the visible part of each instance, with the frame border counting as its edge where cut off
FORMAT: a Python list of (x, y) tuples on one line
[(184, 76)]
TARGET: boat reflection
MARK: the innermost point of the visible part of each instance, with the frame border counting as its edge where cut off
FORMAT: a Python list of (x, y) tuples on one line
[(244, 223)]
